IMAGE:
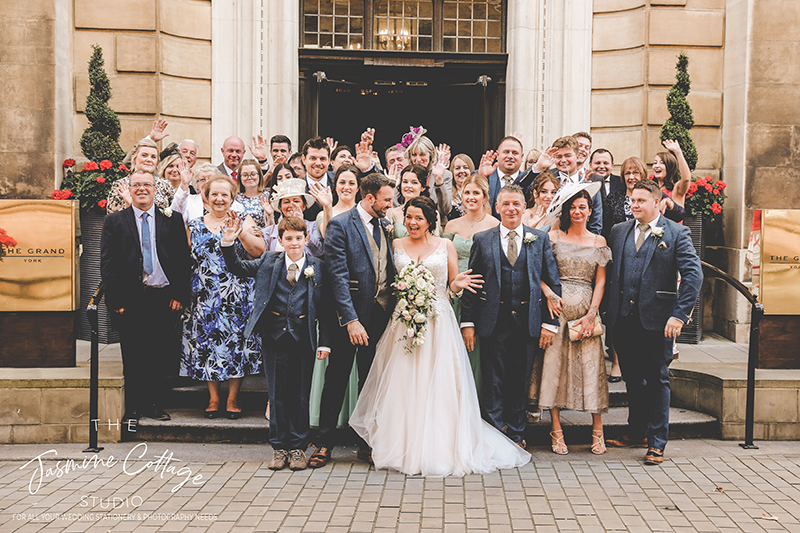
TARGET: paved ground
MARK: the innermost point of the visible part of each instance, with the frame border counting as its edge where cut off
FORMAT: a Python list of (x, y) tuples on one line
[(704, 485)]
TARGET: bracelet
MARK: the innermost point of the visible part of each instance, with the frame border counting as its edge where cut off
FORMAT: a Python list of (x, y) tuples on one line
[(262, 162)]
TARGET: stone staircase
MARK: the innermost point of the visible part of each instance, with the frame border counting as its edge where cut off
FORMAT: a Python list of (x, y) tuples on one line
[(187, 399)]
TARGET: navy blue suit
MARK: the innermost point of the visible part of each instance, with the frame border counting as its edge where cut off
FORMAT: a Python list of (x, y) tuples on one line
[(353, 288), (508, 313), (642, 296), (287, 317)]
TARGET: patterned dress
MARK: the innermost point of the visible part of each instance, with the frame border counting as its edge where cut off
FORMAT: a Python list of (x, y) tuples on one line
[(213, 344), (252, 207)]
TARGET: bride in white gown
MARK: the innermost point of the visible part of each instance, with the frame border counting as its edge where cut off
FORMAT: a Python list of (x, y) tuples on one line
[(419, 410)]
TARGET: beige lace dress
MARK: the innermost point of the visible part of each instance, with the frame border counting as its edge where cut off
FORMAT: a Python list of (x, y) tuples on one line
[(573, 374)]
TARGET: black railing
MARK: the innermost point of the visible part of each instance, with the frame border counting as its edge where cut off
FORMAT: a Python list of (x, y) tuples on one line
[(752, 357), (94, 376)]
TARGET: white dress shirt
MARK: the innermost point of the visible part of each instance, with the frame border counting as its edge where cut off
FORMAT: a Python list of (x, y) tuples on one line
[(300, 262), (507, 179), (157, 279), (650, 226)]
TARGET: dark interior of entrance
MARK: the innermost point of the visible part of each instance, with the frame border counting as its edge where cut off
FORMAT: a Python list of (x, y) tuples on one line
[(449, 102)]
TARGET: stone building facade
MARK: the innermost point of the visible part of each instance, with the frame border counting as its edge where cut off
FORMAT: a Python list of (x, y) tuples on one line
[(243, 67)]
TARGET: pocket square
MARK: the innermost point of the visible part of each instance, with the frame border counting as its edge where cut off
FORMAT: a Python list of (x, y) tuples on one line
[(662, 245)]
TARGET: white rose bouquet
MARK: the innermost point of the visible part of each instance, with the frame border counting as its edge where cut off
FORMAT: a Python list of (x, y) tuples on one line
[(415, 289)]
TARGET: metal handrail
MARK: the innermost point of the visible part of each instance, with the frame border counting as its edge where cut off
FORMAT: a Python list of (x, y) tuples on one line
[(757, 313), (94, 375)]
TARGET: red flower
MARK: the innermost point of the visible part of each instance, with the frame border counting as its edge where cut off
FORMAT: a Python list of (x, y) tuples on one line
[(7, 240), (693, 188), (100, 179), (91, 165), (716, 208), (124, 168), (651, 177), (708, 187), (700, 182), (68, 163), (105, 164), (721, 185), (102, 204), (716, 192), (688, 195), (66, 194)]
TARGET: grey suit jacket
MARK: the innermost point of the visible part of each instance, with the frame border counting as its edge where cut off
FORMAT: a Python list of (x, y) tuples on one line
[(659, 298)]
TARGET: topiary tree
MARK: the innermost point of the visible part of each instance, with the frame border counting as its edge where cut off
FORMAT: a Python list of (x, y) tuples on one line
[(681, 119), (100, 140)]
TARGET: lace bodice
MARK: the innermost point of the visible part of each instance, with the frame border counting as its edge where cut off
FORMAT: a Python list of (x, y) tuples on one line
[(437, 264)]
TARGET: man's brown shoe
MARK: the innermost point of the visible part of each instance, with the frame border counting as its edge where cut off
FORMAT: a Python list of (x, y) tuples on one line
[(297, 460), (654, 456), (626, 442), (320, 457), (365, 454), (279, 458)]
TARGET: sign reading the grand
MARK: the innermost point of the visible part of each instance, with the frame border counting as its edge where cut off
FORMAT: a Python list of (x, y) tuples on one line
[(40, 273), (780, 261)]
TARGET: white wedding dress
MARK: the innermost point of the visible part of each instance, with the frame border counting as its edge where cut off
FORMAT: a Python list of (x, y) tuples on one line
[(419, 411)]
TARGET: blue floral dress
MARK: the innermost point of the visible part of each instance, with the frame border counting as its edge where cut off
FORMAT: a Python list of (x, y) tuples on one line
[(252, 207), (213, 344)]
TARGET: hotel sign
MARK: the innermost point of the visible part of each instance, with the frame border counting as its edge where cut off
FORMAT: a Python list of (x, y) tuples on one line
[(780, 262), (41, 272)]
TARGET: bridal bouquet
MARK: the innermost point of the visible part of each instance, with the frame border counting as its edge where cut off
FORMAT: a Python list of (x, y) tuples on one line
[(415, 290)]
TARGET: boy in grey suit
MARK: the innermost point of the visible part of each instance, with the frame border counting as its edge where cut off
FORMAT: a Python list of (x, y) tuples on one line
[(289, 302)]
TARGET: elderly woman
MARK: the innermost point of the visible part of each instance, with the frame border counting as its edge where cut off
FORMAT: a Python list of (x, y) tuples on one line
[(439, 180), (251, 190), (290, 200), (214, 347), (545, 187), (145, 157), (192, 206), (617, 207), (461, 168)]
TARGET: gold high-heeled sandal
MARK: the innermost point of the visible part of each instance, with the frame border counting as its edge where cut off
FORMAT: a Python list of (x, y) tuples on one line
[(559, 446), (598, 443)]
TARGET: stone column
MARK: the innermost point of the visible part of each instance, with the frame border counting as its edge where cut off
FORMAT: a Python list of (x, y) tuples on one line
[(280, 82), (548, 81)]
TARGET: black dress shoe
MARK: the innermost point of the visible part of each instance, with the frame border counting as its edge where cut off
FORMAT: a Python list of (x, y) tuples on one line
[(234, 415), (614, 379), (212, 414), (157, 413)]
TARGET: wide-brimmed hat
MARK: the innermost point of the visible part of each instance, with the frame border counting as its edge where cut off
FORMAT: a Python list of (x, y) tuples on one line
[(289, 188), (567, 191)]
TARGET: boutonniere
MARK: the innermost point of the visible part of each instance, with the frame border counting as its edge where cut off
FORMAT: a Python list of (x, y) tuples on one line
[(657, 233), (529, 238), (167, 212), (309, 272), (389, 230)]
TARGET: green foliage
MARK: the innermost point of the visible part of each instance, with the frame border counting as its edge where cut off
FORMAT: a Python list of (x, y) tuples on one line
[(100, 140), (681, 118)]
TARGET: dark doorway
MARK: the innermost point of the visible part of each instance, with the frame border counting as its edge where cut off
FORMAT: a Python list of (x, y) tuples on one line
[(445, 97)]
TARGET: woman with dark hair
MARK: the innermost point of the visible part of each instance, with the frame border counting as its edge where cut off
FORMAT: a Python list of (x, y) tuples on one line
[(412, 185), (346, 182), (672, 172), (573, 370), (545, 187), (418, 409), (280, 173), (617, 207)]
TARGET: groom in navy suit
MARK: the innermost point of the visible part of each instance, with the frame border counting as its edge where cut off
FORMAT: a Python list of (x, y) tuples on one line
[(507, 312), (358, 251), (647, 312)]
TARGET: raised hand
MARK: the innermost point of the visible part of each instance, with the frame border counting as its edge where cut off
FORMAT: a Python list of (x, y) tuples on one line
[(185, 173), (322, 194), (368, 136), (672, 146), (266, 205), (332, 143), (259, 148), (466, 280), (363, 156), (488, 163), (442, 161), (546, 160), (124, 189), (232, 227), (157, 131)]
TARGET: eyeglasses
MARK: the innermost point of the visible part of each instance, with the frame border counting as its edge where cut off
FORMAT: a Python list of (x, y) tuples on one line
[(142, 186), (634, 173), (250, 175)]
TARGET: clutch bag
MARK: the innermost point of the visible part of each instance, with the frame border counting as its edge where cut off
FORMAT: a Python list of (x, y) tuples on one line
[(575, 329)]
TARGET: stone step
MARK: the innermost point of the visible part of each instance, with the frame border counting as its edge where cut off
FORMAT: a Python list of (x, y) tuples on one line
[(189, 425)]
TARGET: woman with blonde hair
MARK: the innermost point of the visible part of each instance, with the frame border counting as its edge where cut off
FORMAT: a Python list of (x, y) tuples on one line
[(145, 157), (461, 167), (439, 182), (477, 217)]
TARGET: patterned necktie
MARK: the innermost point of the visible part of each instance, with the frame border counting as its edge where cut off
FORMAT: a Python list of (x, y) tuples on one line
[(512, 247), (291, 276), (376, 231), (147, 252), (640, 240)]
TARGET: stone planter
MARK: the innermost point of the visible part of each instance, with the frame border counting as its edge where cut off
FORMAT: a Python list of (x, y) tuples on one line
[(91, 233)]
